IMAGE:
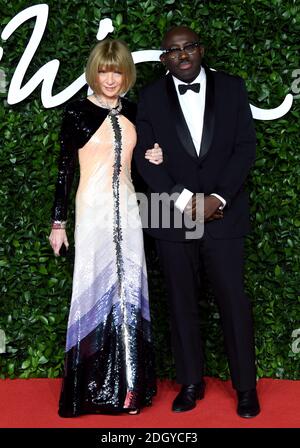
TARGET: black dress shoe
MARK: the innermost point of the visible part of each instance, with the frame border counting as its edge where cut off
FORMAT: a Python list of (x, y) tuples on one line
[(248, 404), (186, 399)]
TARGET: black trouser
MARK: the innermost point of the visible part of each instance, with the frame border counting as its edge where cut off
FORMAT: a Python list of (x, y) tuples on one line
[(223, 261)]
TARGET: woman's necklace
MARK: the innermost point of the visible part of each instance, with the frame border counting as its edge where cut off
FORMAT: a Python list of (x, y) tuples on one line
[(113, 110)]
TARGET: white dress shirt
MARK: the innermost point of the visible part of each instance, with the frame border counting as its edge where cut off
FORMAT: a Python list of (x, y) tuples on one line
[(193, 106)]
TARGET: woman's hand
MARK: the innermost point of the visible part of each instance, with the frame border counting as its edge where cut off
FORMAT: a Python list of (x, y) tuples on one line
[(154, 155), (57, 238)]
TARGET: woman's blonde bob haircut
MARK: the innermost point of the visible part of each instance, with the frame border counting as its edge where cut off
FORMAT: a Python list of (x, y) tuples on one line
[(111, 55)]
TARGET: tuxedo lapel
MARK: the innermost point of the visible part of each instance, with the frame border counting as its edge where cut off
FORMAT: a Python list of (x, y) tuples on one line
[(178, 119), (209, 114)]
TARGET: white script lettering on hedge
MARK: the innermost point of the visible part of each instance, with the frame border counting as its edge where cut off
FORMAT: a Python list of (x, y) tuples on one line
[(296, 342), (2, 341), (46, 75)]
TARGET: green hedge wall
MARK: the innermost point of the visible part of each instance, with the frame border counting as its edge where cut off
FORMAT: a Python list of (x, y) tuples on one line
[(255, 39)]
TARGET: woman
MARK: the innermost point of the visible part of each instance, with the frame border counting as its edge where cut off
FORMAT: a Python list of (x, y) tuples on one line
[(109, 356)]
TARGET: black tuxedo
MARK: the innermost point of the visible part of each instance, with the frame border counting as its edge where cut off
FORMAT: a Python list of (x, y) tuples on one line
[(226, 156)]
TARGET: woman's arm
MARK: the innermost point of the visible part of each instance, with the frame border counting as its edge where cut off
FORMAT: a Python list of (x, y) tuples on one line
[(66, 168)]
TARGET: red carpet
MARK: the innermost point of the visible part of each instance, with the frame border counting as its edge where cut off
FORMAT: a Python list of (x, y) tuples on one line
[(33, 404)]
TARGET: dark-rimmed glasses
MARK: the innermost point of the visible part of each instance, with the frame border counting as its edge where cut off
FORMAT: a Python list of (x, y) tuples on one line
[(174, 52)]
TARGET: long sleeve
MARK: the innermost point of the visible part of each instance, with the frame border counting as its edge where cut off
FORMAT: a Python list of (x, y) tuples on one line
[(66, 165), (238, 167), (156, 176)]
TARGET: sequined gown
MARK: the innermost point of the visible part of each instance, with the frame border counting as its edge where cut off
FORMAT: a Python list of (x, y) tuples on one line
[(109, 356)]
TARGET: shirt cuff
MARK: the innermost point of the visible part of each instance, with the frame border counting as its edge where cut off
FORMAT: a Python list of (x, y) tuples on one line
[(221, 199), (183, 199)]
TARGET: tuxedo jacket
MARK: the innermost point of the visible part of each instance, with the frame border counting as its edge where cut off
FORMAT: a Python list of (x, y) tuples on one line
[(226, 155)]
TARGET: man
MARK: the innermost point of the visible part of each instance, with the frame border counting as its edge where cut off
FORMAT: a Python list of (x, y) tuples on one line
[(202, 121)]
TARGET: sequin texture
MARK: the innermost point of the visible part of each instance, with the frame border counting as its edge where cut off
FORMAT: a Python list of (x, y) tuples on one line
[(109, 365)]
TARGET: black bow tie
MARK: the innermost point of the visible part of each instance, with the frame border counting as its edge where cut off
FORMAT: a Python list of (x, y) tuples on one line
[(184, 87)]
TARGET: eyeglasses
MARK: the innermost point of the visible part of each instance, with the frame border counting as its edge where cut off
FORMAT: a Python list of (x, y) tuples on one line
[(174, 52)]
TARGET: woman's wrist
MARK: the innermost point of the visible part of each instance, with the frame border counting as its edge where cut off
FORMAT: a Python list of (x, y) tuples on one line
[(58, 224)]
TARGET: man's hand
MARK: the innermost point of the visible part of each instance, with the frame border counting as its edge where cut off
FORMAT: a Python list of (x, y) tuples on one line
[(217, 215), (211, 208), (194, 208)]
